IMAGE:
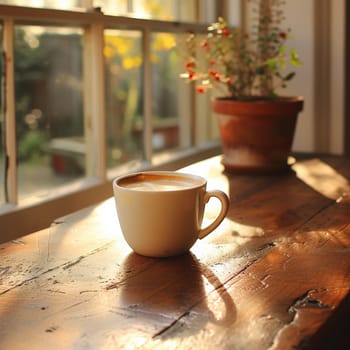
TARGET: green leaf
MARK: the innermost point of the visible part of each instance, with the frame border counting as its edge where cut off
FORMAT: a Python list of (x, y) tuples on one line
[(294, 58), (272, 63), (289, 76), (282, 50), (282, 63)]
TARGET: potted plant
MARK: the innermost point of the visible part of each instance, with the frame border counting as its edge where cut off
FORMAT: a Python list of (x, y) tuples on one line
[(256, 124)]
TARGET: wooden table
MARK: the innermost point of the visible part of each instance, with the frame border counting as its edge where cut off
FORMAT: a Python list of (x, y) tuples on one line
[(274, 275)]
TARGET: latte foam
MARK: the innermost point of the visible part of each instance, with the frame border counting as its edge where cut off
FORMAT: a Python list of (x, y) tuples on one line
[(153, 182)]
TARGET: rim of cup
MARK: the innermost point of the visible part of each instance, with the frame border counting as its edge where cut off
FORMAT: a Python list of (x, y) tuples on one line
[(199, 181)]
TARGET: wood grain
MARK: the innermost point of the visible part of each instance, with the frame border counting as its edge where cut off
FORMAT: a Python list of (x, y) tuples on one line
[(273, 275)]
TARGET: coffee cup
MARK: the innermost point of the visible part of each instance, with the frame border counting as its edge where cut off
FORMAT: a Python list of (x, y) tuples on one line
[(161, 212)]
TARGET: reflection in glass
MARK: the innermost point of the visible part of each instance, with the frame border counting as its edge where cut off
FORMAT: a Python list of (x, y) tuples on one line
[(157, 9), (166, 10), (113, 7), (52, 4), (124, 88), (49, 108), (165, 92)]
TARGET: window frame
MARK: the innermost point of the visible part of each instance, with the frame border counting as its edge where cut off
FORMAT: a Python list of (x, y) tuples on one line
[(20, 219)]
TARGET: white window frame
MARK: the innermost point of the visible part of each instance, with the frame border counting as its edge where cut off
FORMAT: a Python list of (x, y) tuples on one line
[(20, 219)]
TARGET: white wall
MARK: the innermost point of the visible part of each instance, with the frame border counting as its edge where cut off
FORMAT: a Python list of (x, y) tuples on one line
[(337, 82), (300, 17)]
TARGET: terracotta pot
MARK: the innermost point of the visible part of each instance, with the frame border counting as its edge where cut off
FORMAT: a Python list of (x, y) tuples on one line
[(257, 136)]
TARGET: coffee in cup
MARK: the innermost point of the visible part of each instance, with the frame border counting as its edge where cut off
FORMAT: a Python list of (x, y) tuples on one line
[(161, 212)]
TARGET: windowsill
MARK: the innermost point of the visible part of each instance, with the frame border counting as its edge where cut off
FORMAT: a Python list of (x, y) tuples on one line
[(39, 211), (51, 194)]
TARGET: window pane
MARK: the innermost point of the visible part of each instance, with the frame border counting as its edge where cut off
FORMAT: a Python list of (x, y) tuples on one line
[(49, 113), (113, 7), (167, 10), (53, 4), (2, 158), (157, 9), (165, 77), (124, 86)]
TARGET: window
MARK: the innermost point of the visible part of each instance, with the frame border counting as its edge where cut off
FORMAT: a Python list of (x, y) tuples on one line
[(90, 89), (124, 92), (49, 108)]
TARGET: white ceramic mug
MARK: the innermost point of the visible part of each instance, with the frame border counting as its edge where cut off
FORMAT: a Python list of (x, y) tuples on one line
[(161, 212)]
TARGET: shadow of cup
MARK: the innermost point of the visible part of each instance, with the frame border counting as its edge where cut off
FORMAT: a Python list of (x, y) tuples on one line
[(171, 288)]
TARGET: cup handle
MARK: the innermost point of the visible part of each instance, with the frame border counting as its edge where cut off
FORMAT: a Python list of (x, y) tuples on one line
[(225, 204)]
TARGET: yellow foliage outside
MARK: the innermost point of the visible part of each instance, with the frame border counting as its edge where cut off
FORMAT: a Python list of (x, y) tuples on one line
[(132, 62), (116, 45), (131, 59), (164, 42)]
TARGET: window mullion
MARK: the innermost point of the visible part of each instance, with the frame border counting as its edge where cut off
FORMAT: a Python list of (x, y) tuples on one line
[(148, 95), (186, 106), (130, 6), (94, 101), (10, 114)]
